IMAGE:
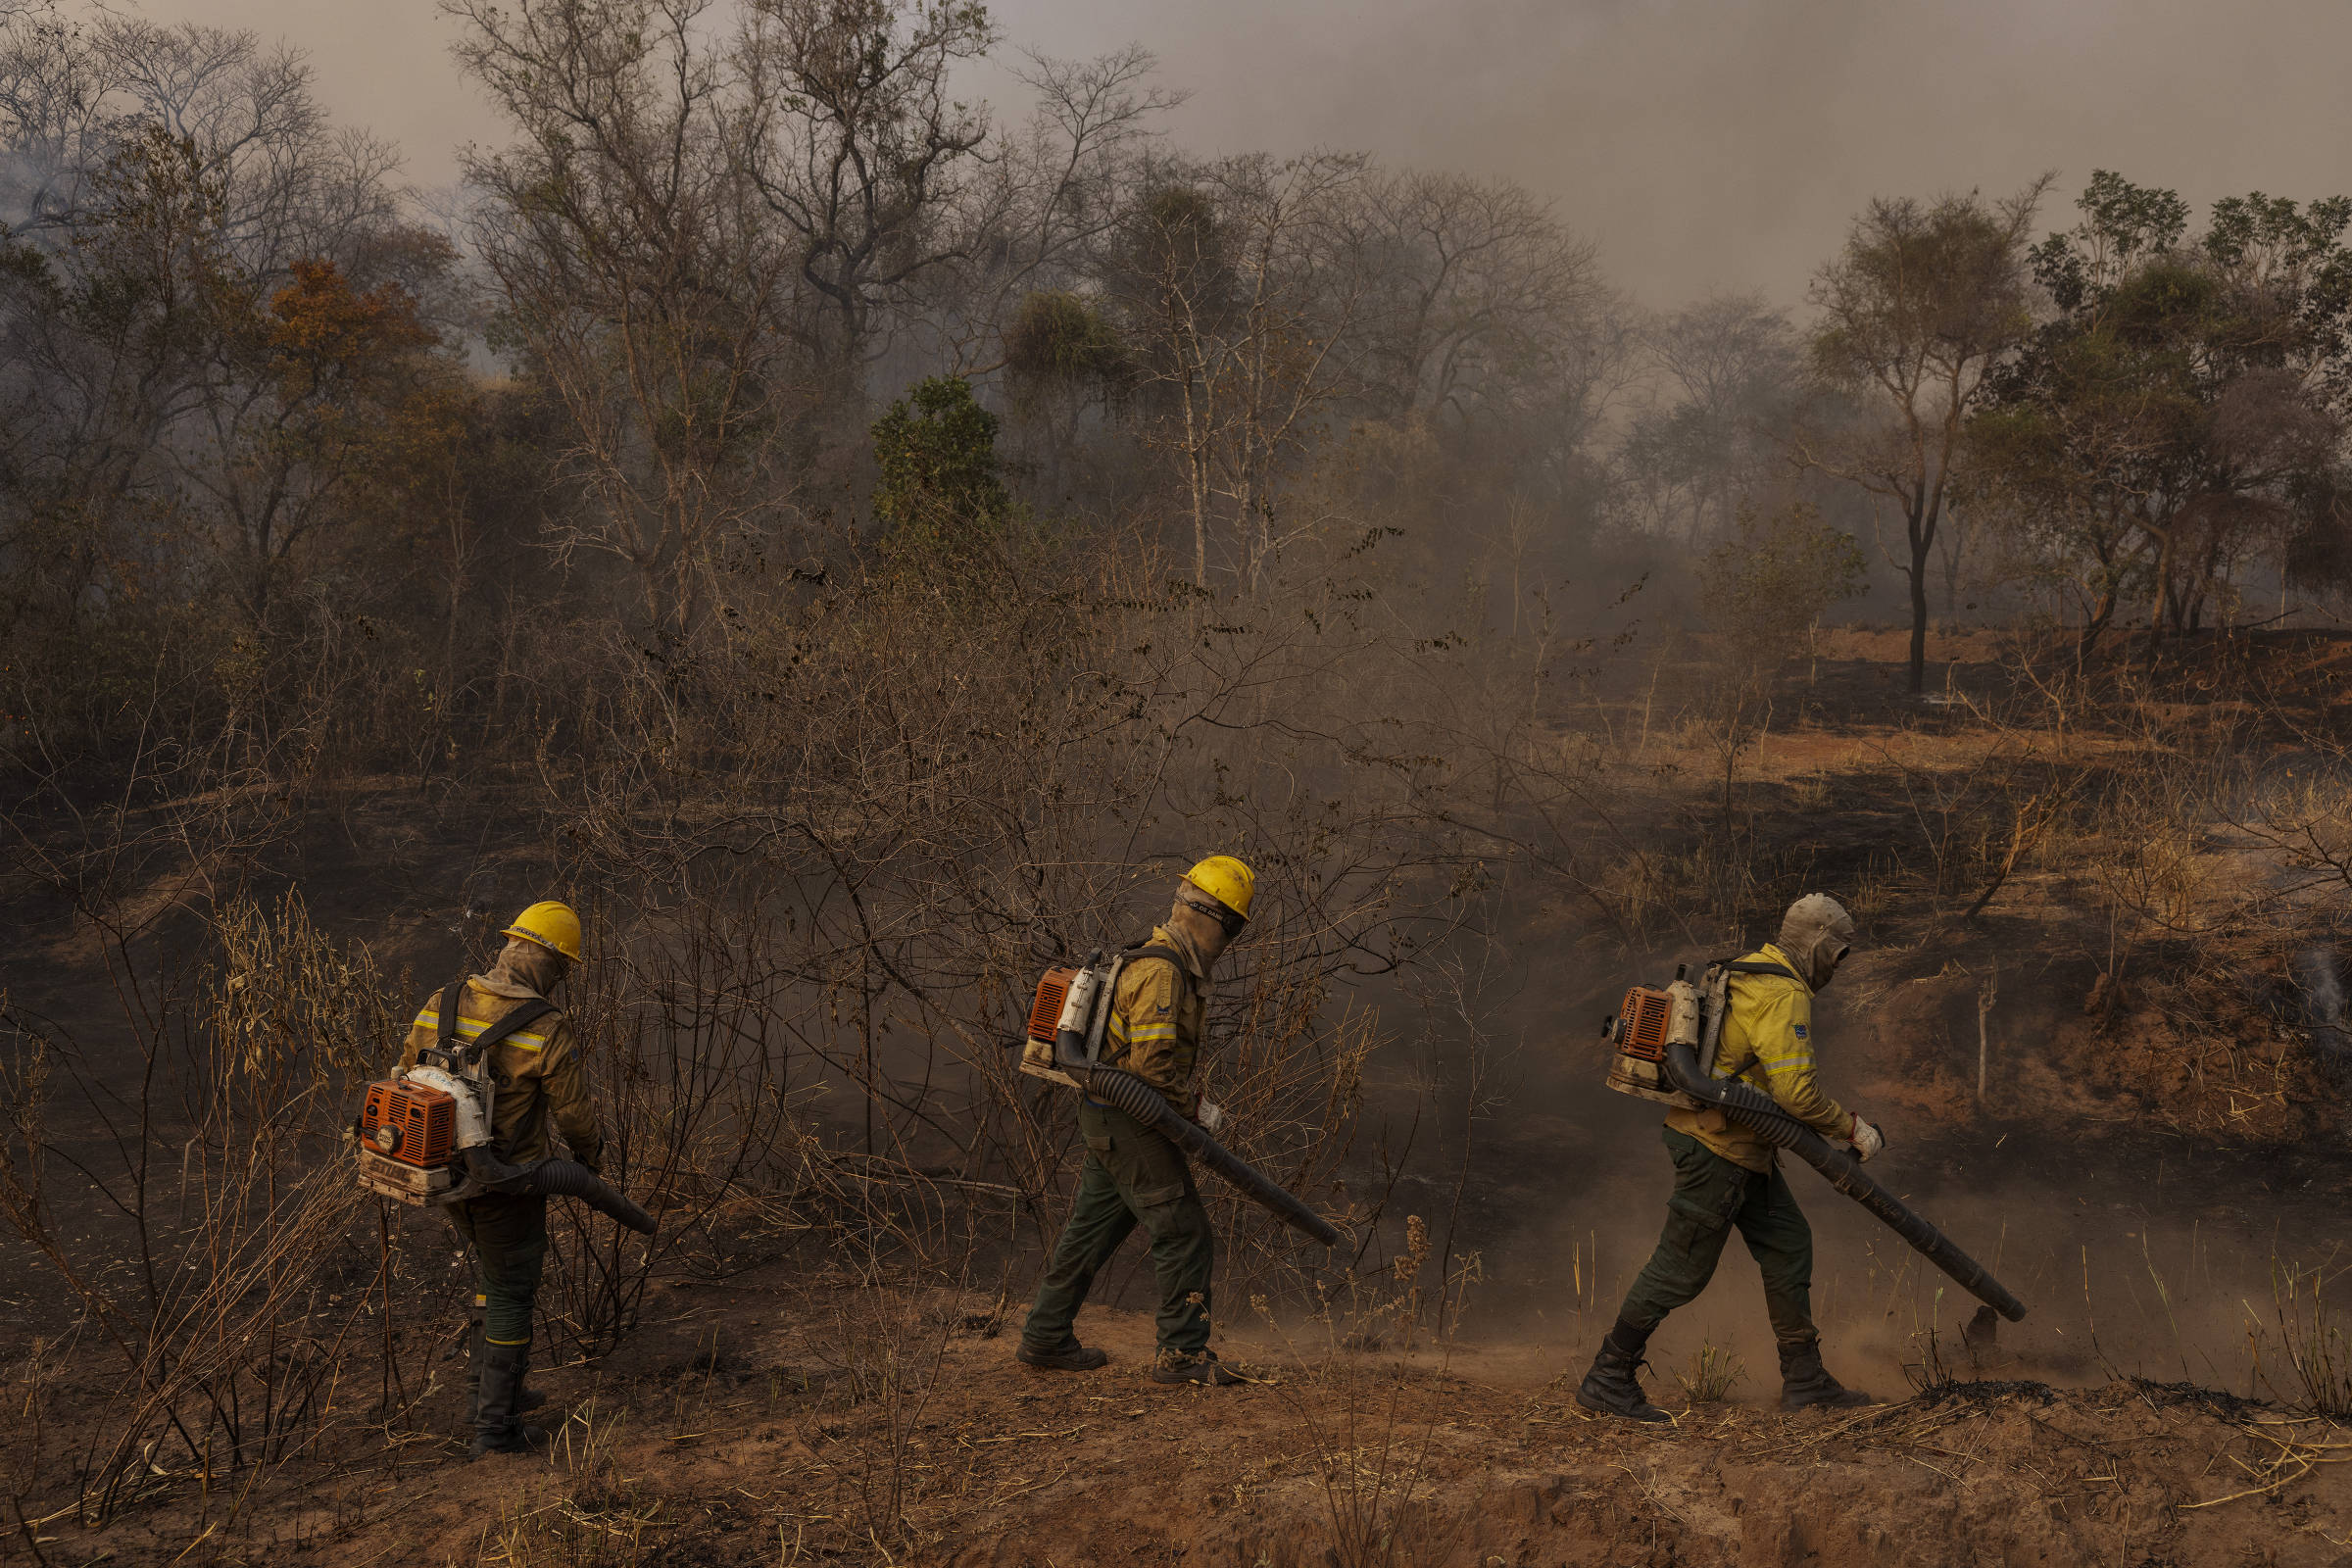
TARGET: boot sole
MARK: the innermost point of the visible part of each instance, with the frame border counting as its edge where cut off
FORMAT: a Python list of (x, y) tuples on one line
[(1661, 1419)]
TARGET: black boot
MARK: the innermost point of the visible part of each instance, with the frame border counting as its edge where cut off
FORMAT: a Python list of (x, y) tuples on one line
[(1614, 1384), (1807, 1384), (1069, 1357), (497, 1391), (525, 1403), (1174, 1366)]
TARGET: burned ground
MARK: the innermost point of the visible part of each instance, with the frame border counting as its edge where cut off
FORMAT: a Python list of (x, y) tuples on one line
[(733, 1430), (817, 1366), (858, 545)]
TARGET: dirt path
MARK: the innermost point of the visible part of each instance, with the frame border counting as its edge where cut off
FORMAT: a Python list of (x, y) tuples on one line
[(754, 1423)]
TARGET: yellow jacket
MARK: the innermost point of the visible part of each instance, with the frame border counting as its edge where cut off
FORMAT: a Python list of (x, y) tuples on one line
[(1767, 1040), (537, 1069), (1155, 1023)]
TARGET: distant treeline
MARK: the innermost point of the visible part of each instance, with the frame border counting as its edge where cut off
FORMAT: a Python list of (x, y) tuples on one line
[(739, 315)]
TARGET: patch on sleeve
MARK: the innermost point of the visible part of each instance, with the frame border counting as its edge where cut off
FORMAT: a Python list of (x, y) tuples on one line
[(1801, 1030)]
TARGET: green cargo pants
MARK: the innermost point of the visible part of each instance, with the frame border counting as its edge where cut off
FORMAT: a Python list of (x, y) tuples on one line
[(1711, 1194), (1133, 1176), (507, 1237)]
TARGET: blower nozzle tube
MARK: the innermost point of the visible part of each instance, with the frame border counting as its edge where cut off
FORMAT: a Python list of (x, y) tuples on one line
[(1118, 1087), (1760, 1113), (557, 1178)]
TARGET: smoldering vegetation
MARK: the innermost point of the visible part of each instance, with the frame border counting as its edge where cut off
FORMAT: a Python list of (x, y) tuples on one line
[(858, 547)]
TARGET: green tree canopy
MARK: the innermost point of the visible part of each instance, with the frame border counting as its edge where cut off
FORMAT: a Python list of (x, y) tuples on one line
[(2182, 404), (941, 490)]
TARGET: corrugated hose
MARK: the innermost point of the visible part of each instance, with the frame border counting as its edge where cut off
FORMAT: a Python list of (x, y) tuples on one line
[(1137, 1099), (1760, 1113), (557, 1178), (1118, 1087)]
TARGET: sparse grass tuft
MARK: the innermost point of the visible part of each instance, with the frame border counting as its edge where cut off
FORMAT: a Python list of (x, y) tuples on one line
[(1712, 1371), (2318, 1348), (1931, 1371)]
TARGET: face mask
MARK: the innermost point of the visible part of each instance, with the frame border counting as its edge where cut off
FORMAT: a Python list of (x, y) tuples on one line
[(1202, 930), (1817, 934)]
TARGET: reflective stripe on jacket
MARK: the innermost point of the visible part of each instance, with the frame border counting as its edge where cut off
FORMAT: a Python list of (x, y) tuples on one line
[(537, 1069), (1768, 1041), (1155, 1023)]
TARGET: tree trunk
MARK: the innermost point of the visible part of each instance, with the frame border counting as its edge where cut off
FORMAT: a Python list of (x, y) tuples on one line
[(2162, 601), (1923, 544), (1200, 527), (2094, 624)]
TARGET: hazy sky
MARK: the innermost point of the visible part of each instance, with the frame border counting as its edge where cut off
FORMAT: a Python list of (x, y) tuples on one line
[(1703, 144)]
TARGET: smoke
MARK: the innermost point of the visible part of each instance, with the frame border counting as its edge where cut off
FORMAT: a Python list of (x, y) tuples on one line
[(1704, 146), (1723, 145)]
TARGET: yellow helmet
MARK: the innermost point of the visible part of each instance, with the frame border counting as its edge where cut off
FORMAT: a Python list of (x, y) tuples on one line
[(551, 925), (1226, 880)]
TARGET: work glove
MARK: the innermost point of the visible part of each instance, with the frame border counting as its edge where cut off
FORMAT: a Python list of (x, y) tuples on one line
[(1866, 1139)]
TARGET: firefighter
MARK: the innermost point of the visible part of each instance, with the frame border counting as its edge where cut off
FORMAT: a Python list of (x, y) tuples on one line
[(1726, 1176), (538, 1077), (1133, 1174)]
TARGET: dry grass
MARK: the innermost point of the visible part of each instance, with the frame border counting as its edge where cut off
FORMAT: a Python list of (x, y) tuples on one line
[(797, 1019), (235, 1350), (1710, 1374), (2315, 1338), (1368, 1414)]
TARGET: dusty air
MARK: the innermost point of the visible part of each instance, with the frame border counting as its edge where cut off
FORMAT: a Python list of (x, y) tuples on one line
[(1025, 785)]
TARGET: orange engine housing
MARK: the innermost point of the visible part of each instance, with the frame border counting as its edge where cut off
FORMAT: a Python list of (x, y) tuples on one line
[(1046, 1012), (413, 1123), (1641, 1019)]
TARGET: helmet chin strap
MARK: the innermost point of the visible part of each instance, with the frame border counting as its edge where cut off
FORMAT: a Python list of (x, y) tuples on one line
[(1201, 904)]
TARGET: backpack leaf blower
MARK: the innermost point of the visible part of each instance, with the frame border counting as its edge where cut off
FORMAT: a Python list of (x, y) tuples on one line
[(424, 1132), (1665, 1043), (1064, 1045)]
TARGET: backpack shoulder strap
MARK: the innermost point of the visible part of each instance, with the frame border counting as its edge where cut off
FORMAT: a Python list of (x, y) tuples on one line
[(1717, 982), (446, 1020), (1175, 959), (530, 1010)]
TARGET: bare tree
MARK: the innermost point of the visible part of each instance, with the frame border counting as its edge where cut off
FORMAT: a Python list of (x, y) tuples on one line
[(1921, 304), (1243, 285), (1030, 224), (642, 272), (853, 142), (73, 92), (1475, 292), (1731, 369)]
